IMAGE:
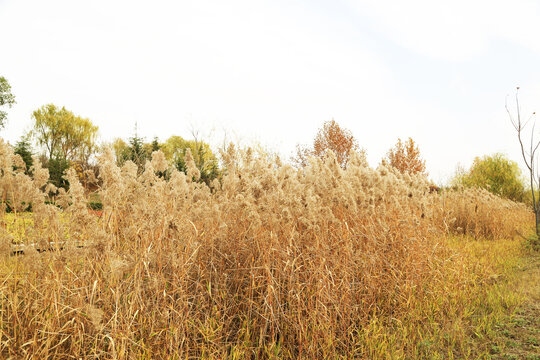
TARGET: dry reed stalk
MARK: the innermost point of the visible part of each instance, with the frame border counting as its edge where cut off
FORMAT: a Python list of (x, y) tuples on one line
[(269, 260)]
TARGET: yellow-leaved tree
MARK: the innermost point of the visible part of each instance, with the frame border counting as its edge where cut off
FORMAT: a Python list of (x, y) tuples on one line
[(66, 138), (63, 133)]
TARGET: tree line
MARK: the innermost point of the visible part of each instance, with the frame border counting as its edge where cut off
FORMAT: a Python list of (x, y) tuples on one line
[(69, 140)]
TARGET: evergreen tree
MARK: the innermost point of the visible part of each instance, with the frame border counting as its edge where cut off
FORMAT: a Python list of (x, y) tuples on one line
[(155, 144), (24, 149), (57, 166), (136, 152)]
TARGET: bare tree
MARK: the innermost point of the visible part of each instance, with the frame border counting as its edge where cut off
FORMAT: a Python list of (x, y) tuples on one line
[(529, 147)]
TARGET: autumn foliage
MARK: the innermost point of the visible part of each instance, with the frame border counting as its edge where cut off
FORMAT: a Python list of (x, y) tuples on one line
[(405, 157), (330, 137)]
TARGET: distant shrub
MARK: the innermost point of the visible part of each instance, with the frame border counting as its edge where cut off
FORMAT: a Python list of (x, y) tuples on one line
[(94, 205), (24, 207)]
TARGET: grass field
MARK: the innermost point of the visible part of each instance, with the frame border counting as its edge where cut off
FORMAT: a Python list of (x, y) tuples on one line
[(518, 334)]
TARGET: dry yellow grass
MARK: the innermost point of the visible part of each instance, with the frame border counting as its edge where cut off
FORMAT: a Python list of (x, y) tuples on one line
[(479, 213), (270, 262)]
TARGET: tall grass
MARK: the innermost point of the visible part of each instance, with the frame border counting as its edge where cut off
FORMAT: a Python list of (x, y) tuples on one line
[(268, 262)]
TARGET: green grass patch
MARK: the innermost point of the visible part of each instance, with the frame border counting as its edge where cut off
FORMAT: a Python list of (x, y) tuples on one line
[(17, 225)]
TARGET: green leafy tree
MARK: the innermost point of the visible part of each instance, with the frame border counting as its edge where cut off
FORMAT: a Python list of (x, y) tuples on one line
[(120, 148), (6, 99), (175, 149), (172, 145), (495, 173), (24, 149)]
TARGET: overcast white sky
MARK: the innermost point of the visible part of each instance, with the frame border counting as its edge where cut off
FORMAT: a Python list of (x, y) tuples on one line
[(274, 71)]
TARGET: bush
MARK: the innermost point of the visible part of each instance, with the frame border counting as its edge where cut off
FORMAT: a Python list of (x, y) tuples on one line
[(94, 205), (9, 208)]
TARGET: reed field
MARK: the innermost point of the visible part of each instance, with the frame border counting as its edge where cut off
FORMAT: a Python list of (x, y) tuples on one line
[(268, 261)]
